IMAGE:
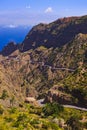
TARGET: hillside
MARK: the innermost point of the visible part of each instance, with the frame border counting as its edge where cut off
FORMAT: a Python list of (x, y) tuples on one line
[(56, 74), (37, 72)]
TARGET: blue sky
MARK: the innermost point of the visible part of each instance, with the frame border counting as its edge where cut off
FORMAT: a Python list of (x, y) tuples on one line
[(31, 12)]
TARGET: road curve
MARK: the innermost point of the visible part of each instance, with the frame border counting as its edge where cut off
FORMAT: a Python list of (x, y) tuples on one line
[(40, 102)]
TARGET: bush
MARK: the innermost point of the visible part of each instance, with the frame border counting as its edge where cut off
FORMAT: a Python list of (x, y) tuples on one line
[(9, 119), (1, 110), (73, 123), (12, 110), (50, 126), (21, 120), (4, 95), (52, 109)]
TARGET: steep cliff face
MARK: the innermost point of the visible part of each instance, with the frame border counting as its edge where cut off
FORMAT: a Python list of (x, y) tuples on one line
[(55, 34)]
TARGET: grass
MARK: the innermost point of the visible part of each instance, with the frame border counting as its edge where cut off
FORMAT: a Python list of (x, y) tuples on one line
[(35, 118)]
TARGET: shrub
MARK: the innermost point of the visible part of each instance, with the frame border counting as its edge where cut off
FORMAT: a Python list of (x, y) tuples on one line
[(73, 123), (1, 110), (52, 109), (4, 94), (21, 120), (12, 110), (9, 119), (50, 126)]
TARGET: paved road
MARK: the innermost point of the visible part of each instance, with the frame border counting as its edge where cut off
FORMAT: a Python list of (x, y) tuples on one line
[(54, 68), (40, 102), (75, 107)]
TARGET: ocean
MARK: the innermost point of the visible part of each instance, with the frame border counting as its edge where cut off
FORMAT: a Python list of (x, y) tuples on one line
[(8, 34)]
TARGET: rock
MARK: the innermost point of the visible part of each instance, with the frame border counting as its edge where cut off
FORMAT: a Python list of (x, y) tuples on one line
[(31, 100)]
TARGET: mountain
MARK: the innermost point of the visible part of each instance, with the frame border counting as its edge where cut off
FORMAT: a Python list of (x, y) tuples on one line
[(56, 74), (55, 34), (54, 67)]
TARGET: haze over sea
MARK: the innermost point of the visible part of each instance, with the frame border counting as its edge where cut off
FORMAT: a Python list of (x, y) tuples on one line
[(16, 34)]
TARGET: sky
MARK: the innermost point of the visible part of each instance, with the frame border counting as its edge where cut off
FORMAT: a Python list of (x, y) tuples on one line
[(31, 12)]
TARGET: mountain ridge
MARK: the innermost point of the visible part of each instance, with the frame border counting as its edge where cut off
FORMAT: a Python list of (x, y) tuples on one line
[(55, 34)]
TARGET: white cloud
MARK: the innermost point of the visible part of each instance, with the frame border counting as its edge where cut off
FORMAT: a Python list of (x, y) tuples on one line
[(49, 10), (28, 7), (10, 26)]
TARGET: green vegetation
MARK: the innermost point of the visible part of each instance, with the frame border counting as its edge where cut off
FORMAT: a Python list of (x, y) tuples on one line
[(74, 123), (52, 109), (1, 110), (50, 117), (4, 94), (76, 84), (28, 117)]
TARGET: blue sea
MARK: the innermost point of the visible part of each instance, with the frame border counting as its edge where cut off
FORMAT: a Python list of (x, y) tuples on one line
[(8, 34)]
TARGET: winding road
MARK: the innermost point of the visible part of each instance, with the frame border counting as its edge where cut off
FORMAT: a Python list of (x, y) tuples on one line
[(51, 67), (40, 102)]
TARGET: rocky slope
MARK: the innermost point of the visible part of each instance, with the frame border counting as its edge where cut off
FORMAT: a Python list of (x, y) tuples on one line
[(57, 72)]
